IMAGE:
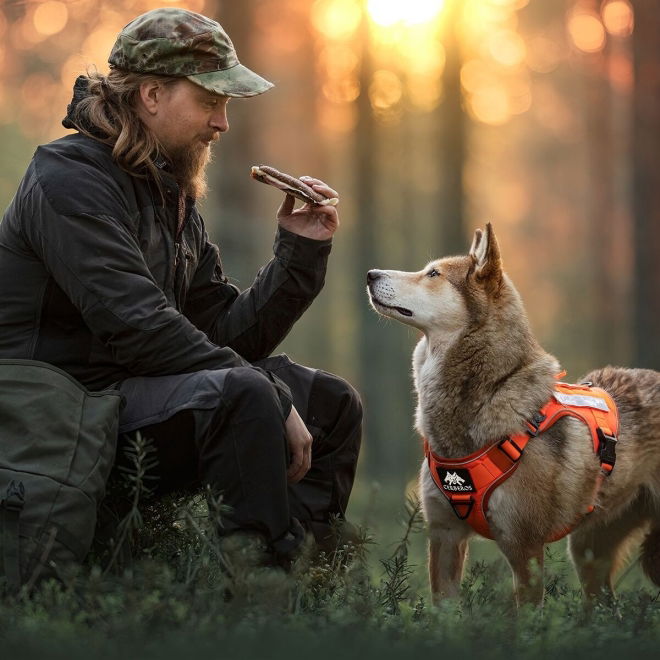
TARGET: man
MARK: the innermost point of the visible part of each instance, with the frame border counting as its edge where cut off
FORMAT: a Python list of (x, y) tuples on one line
[(107, 272)]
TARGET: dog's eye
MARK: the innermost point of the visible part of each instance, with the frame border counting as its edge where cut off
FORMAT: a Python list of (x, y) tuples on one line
[(433, 273)]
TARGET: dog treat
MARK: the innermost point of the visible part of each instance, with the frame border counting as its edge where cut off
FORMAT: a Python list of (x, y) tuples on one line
[(290, 185)]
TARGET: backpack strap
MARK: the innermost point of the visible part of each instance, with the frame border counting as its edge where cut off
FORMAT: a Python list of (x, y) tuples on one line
[(10, 513)]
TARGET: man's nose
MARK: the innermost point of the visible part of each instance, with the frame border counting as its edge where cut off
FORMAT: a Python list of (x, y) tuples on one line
[(219, 121)]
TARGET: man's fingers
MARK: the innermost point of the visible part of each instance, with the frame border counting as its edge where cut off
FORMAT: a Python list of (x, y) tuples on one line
[(301, 461), (320, 186), (297, 459), (300, 446), (311, 181), (294, 476), (286, 207), (330, 212)]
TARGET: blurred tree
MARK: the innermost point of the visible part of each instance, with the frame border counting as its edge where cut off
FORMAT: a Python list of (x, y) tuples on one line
[(303, 150), (269, 131), (386, 399), (451, 130), (605, 310), (366, 243), (238, 216), (646, 183)]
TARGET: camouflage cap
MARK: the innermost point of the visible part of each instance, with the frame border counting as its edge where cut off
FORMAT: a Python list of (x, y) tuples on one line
[(178, 42)]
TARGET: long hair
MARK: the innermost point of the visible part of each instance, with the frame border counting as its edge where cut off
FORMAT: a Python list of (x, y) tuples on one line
[(109, 114)]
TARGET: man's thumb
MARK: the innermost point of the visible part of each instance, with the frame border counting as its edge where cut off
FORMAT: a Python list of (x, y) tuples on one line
[(287, 206)]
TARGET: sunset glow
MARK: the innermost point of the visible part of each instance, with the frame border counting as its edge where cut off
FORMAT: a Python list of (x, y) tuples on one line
[(336, 19), (50, 17), (409, 44), (587, 32), (618, 18), (390, 12)]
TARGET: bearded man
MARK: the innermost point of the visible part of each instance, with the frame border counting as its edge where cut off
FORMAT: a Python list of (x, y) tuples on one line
[(107, 271)]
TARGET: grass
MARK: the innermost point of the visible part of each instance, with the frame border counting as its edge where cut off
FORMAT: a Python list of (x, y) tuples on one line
[(173, 589)]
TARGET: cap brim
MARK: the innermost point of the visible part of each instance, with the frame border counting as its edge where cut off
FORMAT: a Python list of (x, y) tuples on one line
[(235, 81)]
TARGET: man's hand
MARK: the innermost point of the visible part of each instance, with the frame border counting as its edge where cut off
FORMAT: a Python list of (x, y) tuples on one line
[(310, 220), (300, 445)]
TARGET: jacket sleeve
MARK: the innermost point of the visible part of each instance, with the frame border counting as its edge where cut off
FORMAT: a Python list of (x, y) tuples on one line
[(97, 262), (253, 322)]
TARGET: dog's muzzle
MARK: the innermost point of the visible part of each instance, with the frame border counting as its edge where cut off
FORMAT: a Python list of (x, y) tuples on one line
[(377, 286)]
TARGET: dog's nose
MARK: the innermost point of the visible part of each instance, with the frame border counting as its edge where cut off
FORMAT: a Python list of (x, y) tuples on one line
[(372, 276)]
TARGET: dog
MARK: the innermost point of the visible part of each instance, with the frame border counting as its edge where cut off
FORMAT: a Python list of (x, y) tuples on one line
[(480, 376)]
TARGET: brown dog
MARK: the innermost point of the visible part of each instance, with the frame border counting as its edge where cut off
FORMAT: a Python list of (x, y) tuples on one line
[(479, 376)]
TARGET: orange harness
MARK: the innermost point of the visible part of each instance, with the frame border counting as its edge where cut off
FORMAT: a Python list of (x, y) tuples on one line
[(469, 482)]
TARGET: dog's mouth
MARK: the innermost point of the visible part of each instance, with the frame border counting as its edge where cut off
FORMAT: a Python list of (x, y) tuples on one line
[(402, 310)]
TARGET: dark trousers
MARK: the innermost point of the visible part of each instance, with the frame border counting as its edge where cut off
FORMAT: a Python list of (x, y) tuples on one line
[(226, 428)]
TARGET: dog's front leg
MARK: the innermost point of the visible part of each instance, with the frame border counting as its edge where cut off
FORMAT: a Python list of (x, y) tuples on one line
[(448, 540), (527, 567), (447, 555)]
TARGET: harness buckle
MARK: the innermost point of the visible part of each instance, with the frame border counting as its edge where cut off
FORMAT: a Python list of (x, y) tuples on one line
[(535, 424), (606, 448)]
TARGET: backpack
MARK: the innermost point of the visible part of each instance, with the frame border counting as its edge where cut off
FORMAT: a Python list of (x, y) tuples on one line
[(57, 447)]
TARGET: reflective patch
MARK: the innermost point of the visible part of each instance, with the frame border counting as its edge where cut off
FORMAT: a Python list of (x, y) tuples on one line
[(581, 401)]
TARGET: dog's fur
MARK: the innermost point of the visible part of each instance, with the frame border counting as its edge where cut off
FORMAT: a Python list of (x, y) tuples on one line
[(479, 374)]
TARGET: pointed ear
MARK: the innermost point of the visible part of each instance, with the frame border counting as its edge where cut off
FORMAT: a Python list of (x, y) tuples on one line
[(475, 243), (486, 254)]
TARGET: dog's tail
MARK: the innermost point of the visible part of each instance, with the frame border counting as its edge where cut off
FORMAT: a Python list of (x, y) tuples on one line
[(651, 554)]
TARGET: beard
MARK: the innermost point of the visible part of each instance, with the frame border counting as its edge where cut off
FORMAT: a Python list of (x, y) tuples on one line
[(188, 166)]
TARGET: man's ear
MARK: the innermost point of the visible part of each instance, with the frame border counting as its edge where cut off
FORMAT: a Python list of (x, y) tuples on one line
[(150, 95), (485, 252)]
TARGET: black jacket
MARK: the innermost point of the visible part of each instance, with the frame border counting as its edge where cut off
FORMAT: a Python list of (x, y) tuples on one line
[(95, 279)]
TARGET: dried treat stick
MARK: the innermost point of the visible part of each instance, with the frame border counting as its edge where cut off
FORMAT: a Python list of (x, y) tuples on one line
[(290, 185)]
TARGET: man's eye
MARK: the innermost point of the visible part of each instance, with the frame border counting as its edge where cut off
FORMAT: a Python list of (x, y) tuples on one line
[(433, 273)]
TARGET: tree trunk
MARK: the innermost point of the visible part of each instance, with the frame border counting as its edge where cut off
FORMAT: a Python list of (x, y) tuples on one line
[(451, 122), (238, 219), (646, 183), (387, 399), (602, 301)]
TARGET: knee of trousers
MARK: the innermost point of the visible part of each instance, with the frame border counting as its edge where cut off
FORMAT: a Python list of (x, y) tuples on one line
[(249, 403), (245, 386), (335, 401), (350, 401)]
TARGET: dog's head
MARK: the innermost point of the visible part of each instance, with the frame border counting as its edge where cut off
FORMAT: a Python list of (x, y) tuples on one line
[(447, 294)]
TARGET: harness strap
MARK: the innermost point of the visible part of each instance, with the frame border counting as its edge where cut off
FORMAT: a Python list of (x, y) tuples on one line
[(468, 482), (10, 512), (487, 468)]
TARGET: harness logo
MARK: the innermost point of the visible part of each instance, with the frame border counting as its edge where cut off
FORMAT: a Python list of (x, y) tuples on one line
[(453, 479), (456, 481)]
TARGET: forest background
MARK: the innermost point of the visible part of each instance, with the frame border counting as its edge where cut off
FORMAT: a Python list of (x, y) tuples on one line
[(431, 118)]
